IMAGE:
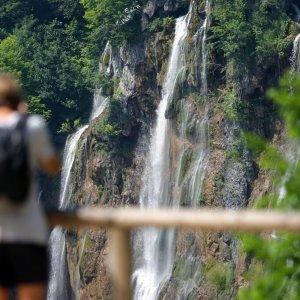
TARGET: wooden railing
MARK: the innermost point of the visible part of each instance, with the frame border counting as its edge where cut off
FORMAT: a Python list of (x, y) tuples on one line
[(120, 221)]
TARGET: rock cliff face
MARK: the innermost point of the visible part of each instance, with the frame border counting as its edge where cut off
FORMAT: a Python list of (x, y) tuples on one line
[(111, 155)]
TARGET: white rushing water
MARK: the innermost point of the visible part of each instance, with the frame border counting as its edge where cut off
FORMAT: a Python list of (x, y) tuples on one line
[(295, 54), (204, 50), (158, 245), (155, 266), (100, 102), (68, 160), (198, 172), (188, 189), (57, 288), (192, 185)]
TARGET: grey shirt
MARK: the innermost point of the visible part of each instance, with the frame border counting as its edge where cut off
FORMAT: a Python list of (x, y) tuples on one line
[(27, 223)]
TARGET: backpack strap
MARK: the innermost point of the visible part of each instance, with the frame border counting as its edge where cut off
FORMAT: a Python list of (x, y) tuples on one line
[(21, 127), (22, 123)]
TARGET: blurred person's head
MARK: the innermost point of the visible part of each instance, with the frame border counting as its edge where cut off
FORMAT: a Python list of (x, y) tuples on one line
[(10, 92)]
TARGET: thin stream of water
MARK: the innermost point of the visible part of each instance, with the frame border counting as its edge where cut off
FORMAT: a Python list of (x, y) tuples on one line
[(58, 270), (57, 284), (295, 55)]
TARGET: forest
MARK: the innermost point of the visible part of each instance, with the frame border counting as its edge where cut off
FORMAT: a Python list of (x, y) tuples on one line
[(231, 137), (53, 46)]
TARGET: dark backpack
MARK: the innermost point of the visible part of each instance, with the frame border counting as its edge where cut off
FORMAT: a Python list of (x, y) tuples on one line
[(15, 174)]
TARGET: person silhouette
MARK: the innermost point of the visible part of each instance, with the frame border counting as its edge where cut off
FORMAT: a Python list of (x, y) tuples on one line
[(23, 227)]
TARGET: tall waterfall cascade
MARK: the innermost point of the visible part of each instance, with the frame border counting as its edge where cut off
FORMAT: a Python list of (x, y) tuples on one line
[(161, 183), (56, 289), (198, 172), (158, 246), (189, 189), (58, 270)]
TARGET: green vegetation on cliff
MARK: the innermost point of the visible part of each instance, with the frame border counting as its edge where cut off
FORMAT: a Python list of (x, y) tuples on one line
[(53, 46), (117, 21), (43, 42), (274, 271), (242, 31), (232, 31)]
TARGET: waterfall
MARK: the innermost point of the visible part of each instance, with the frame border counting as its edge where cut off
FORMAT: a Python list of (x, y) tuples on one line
[(58, 271), (158, 245), (198, 172), (57, 283), (200, 38), (204, 50), (295, 55), (57, 288), (189, 187), (164, 184), (99, 104), (68, 160)]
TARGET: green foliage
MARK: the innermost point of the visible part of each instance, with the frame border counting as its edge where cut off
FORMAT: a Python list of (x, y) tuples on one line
[(232, 153), (270, 27), (13, 12), (279, 277), (232, 32), (117, 21), (160, 24), (107, 128), (219, 274), (100, 191), (268, 154), (66, 9), (279, 254), (106, 83), (43, 42), (35, 106), (196, 98), (67, 127), (241, 33), (12, 57), (287, 98), (110, 130), (232, 105)]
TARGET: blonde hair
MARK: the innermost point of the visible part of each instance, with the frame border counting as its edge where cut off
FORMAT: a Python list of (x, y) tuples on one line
[(11, 94)]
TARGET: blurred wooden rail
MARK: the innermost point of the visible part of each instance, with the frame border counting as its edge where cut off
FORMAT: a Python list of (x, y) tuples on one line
[(121, 220)]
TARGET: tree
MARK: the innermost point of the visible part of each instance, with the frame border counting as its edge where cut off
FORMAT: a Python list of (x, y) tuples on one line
[(232, 31), (117, 21)]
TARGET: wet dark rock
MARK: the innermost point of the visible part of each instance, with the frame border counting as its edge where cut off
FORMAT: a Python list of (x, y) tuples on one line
[(170, 113)]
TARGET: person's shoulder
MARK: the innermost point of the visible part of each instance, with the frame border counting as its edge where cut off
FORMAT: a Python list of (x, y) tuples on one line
[(36, 123)]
